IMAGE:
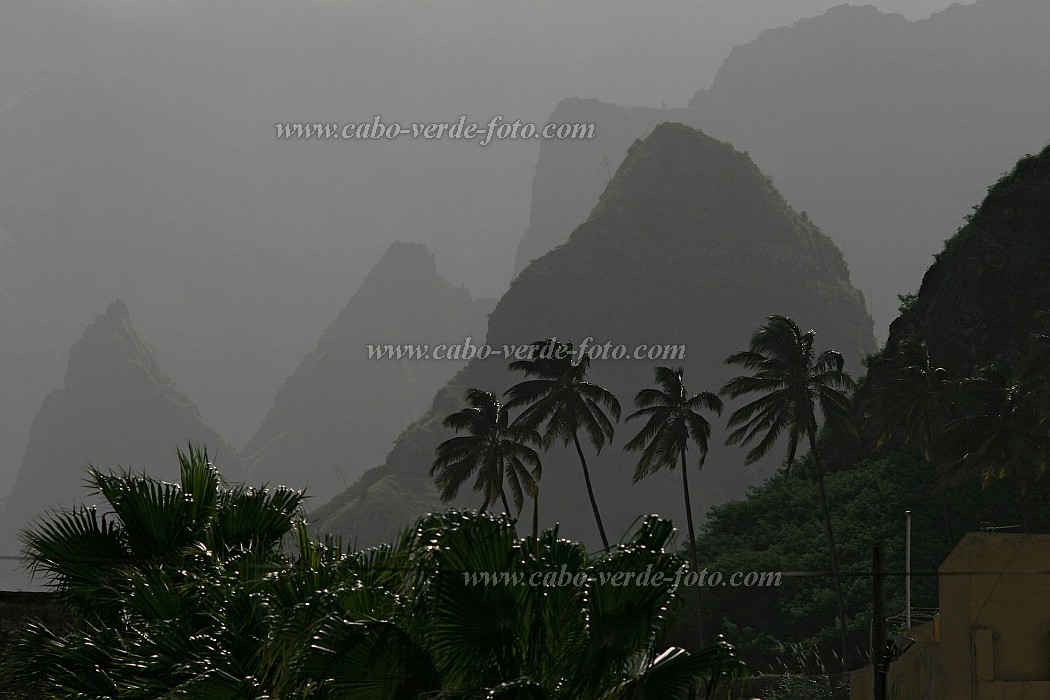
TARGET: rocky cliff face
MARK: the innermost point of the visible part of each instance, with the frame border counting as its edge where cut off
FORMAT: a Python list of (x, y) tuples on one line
[(339, 412), (117, 409), (690, 244), (989, 288)]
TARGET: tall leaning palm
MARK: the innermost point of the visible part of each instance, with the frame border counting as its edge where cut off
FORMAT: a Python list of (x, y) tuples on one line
[(498, 452), (560, 397), (795, 383), (673, 422)]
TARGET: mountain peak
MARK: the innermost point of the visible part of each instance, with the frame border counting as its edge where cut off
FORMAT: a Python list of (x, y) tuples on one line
[(117, 309), (680, 174), (117, 409), (847, 10), (988, 291), (402, 256), (112, 353), (403, 265)]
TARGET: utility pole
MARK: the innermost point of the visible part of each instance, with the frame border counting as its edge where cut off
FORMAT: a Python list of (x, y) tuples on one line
[(878, 614), (907, 571)]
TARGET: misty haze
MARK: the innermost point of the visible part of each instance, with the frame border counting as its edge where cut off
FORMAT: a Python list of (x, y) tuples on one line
[(312, 311)]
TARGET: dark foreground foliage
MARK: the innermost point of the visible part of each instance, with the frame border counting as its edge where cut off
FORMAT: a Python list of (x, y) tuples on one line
[(205, 590)]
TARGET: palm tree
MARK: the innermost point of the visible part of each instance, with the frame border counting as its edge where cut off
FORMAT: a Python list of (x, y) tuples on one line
[(561, 397), (398, 622), (673, 422), (493, 448), (556, 642), (82, 553), (795, 383), (906, 406), (1001, 435)]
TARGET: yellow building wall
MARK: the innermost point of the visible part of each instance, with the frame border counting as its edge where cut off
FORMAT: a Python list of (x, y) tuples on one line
[(993, 641)]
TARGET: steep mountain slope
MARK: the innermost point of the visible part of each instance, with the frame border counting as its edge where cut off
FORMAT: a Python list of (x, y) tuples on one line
[(989, 289), (882, 129), (340, 410), (117, 408), (689, 245)]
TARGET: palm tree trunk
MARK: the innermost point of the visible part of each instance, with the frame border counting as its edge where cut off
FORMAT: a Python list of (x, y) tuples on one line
[(791, 458), (692, 548), (590, 491), (689, 515), (506, 509), (831, 546), (536, 516)]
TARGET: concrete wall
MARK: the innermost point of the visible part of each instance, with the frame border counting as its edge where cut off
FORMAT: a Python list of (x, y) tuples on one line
[(17, 607), (993, 637)]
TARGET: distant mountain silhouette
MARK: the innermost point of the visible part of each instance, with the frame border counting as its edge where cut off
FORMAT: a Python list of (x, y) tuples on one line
[(117, 408), (103, 198), (882, 129), (339, 412), (689, 244)]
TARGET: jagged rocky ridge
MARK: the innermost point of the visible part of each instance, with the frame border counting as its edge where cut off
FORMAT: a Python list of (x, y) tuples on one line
[(117, 409)]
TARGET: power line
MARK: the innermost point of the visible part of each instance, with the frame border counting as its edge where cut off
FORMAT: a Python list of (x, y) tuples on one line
[(787, 574)]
